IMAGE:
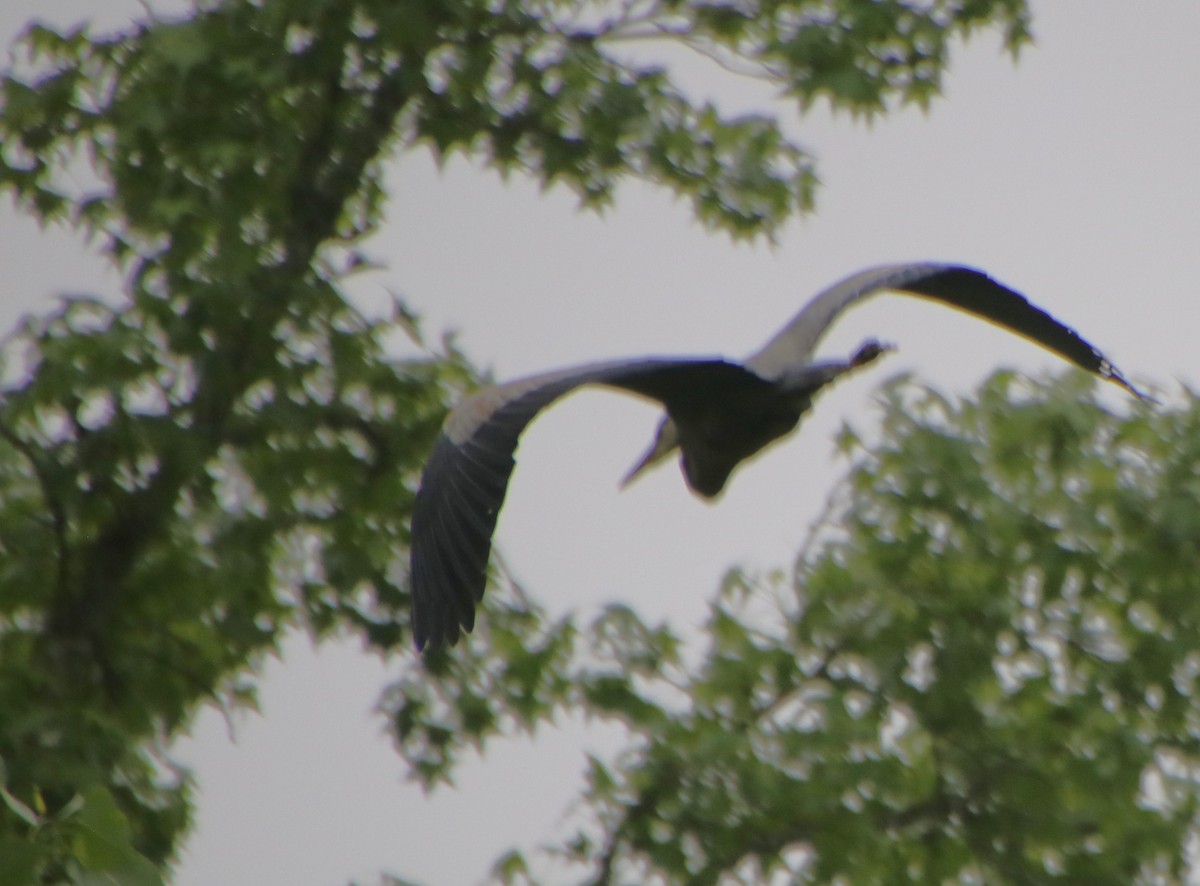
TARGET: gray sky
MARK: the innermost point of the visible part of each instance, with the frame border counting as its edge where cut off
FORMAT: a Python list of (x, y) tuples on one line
[(1070, 176)]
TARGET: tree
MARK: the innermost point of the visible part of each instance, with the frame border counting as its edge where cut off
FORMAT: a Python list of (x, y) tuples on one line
[(981, 670), (229, 452)]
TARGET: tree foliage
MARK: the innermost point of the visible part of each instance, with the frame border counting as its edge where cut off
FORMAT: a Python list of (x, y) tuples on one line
[(981, 670), (228, 450)]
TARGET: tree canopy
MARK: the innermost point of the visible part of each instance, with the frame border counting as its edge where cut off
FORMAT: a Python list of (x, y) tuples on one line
[(980, 670), (229, 451)]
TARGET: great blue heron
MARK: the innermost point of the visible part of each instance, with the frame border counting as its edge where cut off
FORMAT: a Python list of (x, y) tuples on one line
[(718, 413)]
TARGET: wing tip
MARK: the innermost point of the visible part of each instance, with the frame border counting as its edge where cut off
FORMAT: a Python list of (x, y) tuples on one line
[(1109, 372), (429, 641)]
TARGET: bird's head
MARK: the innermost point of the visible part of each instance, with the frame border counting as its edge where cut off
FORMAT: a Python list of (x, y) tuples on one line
[(705, 476)]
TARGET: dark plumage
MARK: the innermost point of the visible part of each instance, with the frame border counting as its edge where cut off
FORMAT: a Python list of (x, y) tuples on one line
[(719, 413)]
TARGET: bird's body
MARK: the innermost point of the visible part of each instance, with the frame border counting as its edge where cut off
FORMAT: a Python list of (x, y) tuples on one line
[(719, 414), (721, 425)]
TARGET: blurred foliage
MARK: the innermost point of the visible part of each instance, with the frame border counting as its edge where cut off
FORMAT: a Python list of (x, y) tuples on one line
[(228, 450), (982, 670)]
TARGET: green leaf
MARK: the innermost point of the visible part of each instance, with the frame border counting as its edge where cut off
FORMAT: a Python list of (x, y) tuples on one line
[(18, 862), (19, 809), (102, 844), (229, 451)]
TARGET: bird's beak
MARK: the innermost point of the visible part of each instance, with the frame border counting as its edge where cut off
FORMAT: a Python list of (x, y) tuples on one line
[(665, 442)]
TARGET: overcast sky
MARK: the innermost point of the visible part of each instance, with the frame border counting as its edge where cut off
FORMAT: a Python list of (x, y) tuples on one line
[(1071, 175)]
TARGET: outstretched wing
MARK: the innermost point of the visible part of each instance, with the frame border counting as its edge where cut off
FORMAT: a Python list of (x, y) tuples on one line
[(466, 476), (960, 287)]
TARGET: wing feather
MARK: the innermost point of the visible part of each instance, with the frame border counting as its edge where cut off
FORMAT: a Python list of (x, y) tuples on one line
[(964, 288), (467, 474), (795, 344)]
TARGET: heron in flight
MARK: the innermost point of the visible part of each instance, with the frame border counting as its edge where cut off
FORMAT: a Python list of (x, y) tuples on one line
[(718, 414)]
